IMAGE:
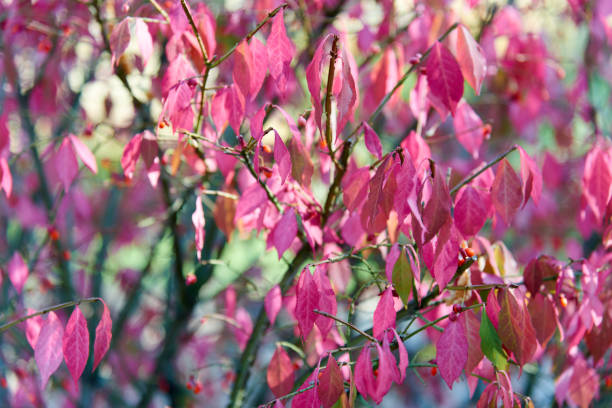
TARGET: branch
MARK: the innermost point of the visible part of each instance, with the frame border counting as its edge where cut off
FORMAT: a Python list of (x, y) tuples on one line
[(195, 30), (64, 305), (347, 324), (328, 100), (490, 164)]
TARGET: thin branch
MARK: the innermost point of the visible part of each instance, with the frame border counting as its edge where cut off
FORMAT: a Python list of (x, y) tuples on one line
[(160, 10), (347, 324), (195, 30), (490, 164), (64, 305), (328, 100)]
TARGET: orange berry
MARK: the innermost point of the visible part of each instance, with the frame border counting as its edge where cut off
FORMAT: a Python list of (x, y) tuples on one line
[(53, 234), (434, 371), (486, 130), (322, 144), (563, 300), (608, 381), (470, 252), (162, 125), (461, 261), (266, 148)]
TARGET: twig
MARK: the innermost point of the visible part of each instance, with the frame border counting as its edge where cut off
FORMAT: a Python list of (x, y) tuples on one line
[(160, 10), (328, 100), (347, 324)]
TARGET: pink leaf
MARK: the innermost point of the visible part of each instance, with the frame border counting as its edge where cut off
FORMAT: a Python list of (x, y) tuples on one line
[(437, 210), (244, 329), (387, 371), (403, 357), (32, 327), (584, 384), (66, 164), (306, 301), (348, 98), (470, 211), (198, 220), (372, 141), (543, 317), (472, 332), (313, 78), (331, 383), (326, 303), (76, 344), (445, 258), (384, 314), (444, 77), (506, 192), (281, 157), (284, 232), (17, 272), (84, 154), (531, 176), (280, 51), (452, 352), (273, 303), (120, 39), (280, 374), (468, 128), (48, 350), (355, 187), (260, 65), (131, 152), (243, 66), (104, 334), (143, 37), (470, 57), (6, 178), (364, 376)]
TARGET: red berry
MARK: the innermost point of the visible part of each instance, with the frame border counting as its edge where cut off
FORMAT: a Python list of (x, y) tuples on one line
[(423, 70), (190, 279), (608, 381), (452, 317), (457, 308), (376, 372), (266, 148), (434, 371), (53, 234), (461, 261), (3, 382), (563, 300), (66, 255)]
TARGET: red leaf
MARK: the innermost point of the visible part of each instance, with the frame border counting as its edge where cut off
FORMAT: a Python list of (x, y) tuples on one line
[(84, 154), (403, 357), (599, 338), (306, 300), (380, 199), (48, 350), (104, 334), (331, 383), (260, 65), (243, 67), (119, 39), (364, 376), (372, 141), (472, 332), (384, 314), (284, 232), (543, 317), (506, 192), (387, 372), (281, 157), (597, 180), (470, 211), (76, 344), (326, 303), (280, 51), (444, 77), (273, 303), (470, 57), (468, 128), (584, 384), (17, 272), (348, 98), (131, 152), (66, 164), (531, 176), (452, 352), (355, 187), (313, 78), (515, 329), (437, 211), (445, 257), (536, 271), (280, 375)]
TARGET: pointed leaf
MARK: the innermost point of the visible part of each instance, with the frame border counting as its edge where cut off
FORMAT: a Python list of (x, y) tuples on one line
[(326, 303), (281, 157), (140, 30), (84, 154), (543, 317), (280, 374), (444, 77), (48, 350), (384, 314), (76, 344), (531, 176), (452, 352), (437, 210), (506, 192), (66, 164), (470, 211), (403, 277), (306, 300), (472, 331), (469, 129), (331, 383), (280, 51), (17, 272), (491, 344), (313, 78), (470, 57), (104, 334), (284, 232), (120, 39), (243, 67), (260, 66), (372, 141), (131, 152), (364, 376), (403, 357), (199, 222), (273, 303), (515, 329)]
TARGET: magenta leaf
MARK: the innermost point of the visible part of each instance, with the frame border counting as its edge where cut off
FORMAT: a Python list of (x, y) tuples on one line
[(281, 157), (120, 39), (348, 98), (327, 301), (469, 129), (444, 77), (331, 383), (131, 152), (76, 344), (403, 357), (140, 30), (259, 68), (544, 318), (472, 332), (243, 67), (470, 211), (104, 334), (597, 180), (84, 154), (17, 272), (284, 232), (372, 141), (506, 191), (48, 350), (452, 352), (313, 78), (32, 327), (437, 210), (365, 381), (445, 256), (384, 314), (66, 164), (515, 329), (531, 176), (306, 301), (584, 384), (273, 303), (387, 371), (280, 374), (280, 51), (470, 57)]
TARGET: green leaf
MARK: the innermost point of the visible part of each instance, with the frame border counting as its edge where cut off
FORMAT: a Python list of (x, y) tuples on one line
[(402, 277), (425, 354), (491, 344)]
